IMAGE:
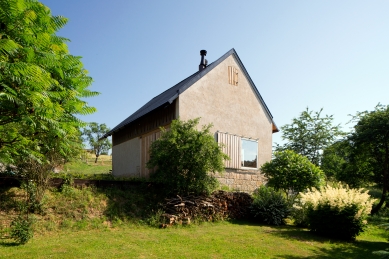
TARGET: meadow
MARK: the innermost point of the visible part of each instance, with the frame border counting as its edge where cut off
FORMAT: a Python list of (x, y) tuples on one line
[(207, 240), (87, 165)]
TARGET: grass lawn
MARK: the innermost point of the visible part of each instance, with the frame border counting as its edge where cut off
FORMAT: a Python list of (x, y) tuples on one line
[(79, 167), (103, 166), (218, 240), (93, 222)]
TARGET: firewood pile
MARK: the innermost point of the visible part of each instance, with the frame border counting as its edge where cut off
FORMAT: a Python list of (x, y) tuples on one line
[(220, 205)]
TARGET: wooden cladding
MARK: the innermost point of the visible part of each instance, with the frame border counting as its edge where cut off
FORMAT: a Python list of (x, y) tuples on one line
[(153, 120), (232, 76), (231, 145), (146, 142)]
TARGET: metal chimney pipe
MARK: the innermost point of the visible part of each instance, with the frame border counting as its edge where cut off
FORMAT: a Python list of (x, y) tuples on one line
[(203, 62)]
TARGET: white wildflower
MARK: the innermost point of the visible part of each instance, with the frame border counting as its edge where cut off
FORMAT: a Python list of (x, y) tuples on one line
[(338, 198)]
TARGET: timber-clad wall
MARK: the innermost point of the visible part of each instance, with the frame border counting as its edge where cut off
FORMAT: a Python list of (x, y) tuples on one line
[(162, 116), (147, 140)]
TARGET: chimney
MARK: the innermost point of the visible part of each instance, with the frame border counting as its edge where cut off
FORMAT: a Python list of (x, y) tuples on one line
[(203, 62)]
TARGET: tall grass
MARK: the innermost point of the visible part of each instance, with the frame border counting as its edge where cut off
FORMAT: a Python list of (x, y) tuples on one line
[(85, 208)]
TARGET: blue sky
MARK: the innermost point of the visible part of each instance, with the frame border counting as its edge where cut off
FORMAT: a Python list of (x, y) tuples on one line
[(318, 54)]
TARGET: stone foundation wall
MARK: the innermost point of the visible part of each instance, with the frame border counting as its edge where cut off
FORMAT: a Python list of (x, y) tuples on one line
[(241, 180)]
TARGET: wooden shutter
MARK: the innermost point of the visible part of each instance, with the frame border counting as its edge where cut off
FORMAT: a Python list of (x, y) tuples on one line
[(231, 145), (232, 75)]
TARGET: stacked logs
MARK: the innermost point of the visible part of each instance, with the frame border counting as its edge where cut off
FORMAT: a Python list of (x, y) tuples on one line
[(220, 205)]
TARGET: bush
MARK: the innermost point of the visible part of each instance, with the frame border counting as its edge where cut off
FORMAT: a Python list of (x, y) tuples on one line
[(184, 157), (292, 172), (299, 213), (270, 206), (21, 229), (33, 202), (338, 212)]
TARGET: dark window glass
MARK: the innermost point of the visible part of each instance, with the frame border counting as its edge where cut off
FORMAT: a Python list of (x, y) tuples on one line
[(249, 153)]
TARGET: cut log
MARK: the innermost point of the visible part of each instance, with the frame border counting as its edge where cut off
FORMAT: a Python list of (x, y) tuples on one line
[(220, 205)]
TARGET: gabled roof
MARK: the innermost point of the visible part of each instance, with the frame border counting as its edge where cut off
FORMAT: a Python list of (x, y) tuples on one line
[(168, 96)]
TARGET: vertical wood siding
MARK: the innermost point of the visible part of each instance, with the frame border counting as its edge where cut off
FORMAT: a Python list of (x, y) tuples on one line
[(231, 145), (147, 140), (148, 123)]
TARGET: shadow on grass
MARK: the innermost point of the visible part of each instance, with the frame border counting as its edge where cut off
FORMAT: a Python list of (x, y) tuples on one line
[(358, 249), (7, 199), (133, 202), (338, 249), (8, 244)]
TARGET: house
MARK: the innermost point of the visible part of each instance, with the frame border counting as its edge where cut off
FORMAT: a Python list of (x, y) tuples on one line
[(221, 93)]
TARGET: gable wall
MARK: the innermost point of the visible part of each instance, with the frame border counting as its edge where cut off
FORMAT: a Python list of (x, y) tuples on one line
[(230, 108)]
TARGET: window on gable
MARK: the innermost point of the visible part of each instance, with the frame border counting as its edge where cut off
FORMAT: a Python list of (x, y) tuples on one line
[(232, 75), (243, 152)]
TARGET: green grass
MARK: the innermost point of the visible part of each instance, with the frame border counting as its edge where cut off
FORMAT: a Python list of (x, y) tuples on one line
[(90, 168), (112, 223), (220, 240), (87, 166)]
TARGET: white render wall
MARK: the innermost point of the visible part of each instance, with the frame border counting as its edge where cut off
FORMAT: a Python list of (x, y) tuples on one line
[(233, 109), (230, 108), (126, 158)]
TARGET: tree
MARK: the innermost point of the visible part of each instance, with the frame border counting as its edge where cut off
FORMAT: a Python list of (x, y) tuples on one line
[(334, 159), (41, 84), (292, 172), (370, 143), (94, 132), (340, 162), (309, 134), (184, 156), (41, 91)]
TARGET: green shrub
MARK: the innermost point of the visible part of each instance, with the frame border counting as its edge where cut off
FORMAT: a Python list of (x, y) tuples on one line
[(299, 213), (338, 212), (33, 202), (22, 229), (292, 172), (184, 157), (270, 206)]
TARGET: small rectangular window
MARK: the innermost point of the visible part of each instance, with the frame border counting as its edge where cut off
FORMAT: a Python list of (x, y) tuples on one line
[(249, 154)]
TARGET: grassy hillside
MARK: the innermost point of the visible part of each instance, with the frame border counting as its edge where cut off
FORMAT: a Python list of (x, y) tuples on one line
[(82, 208), (92, 222), (120, 223)]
